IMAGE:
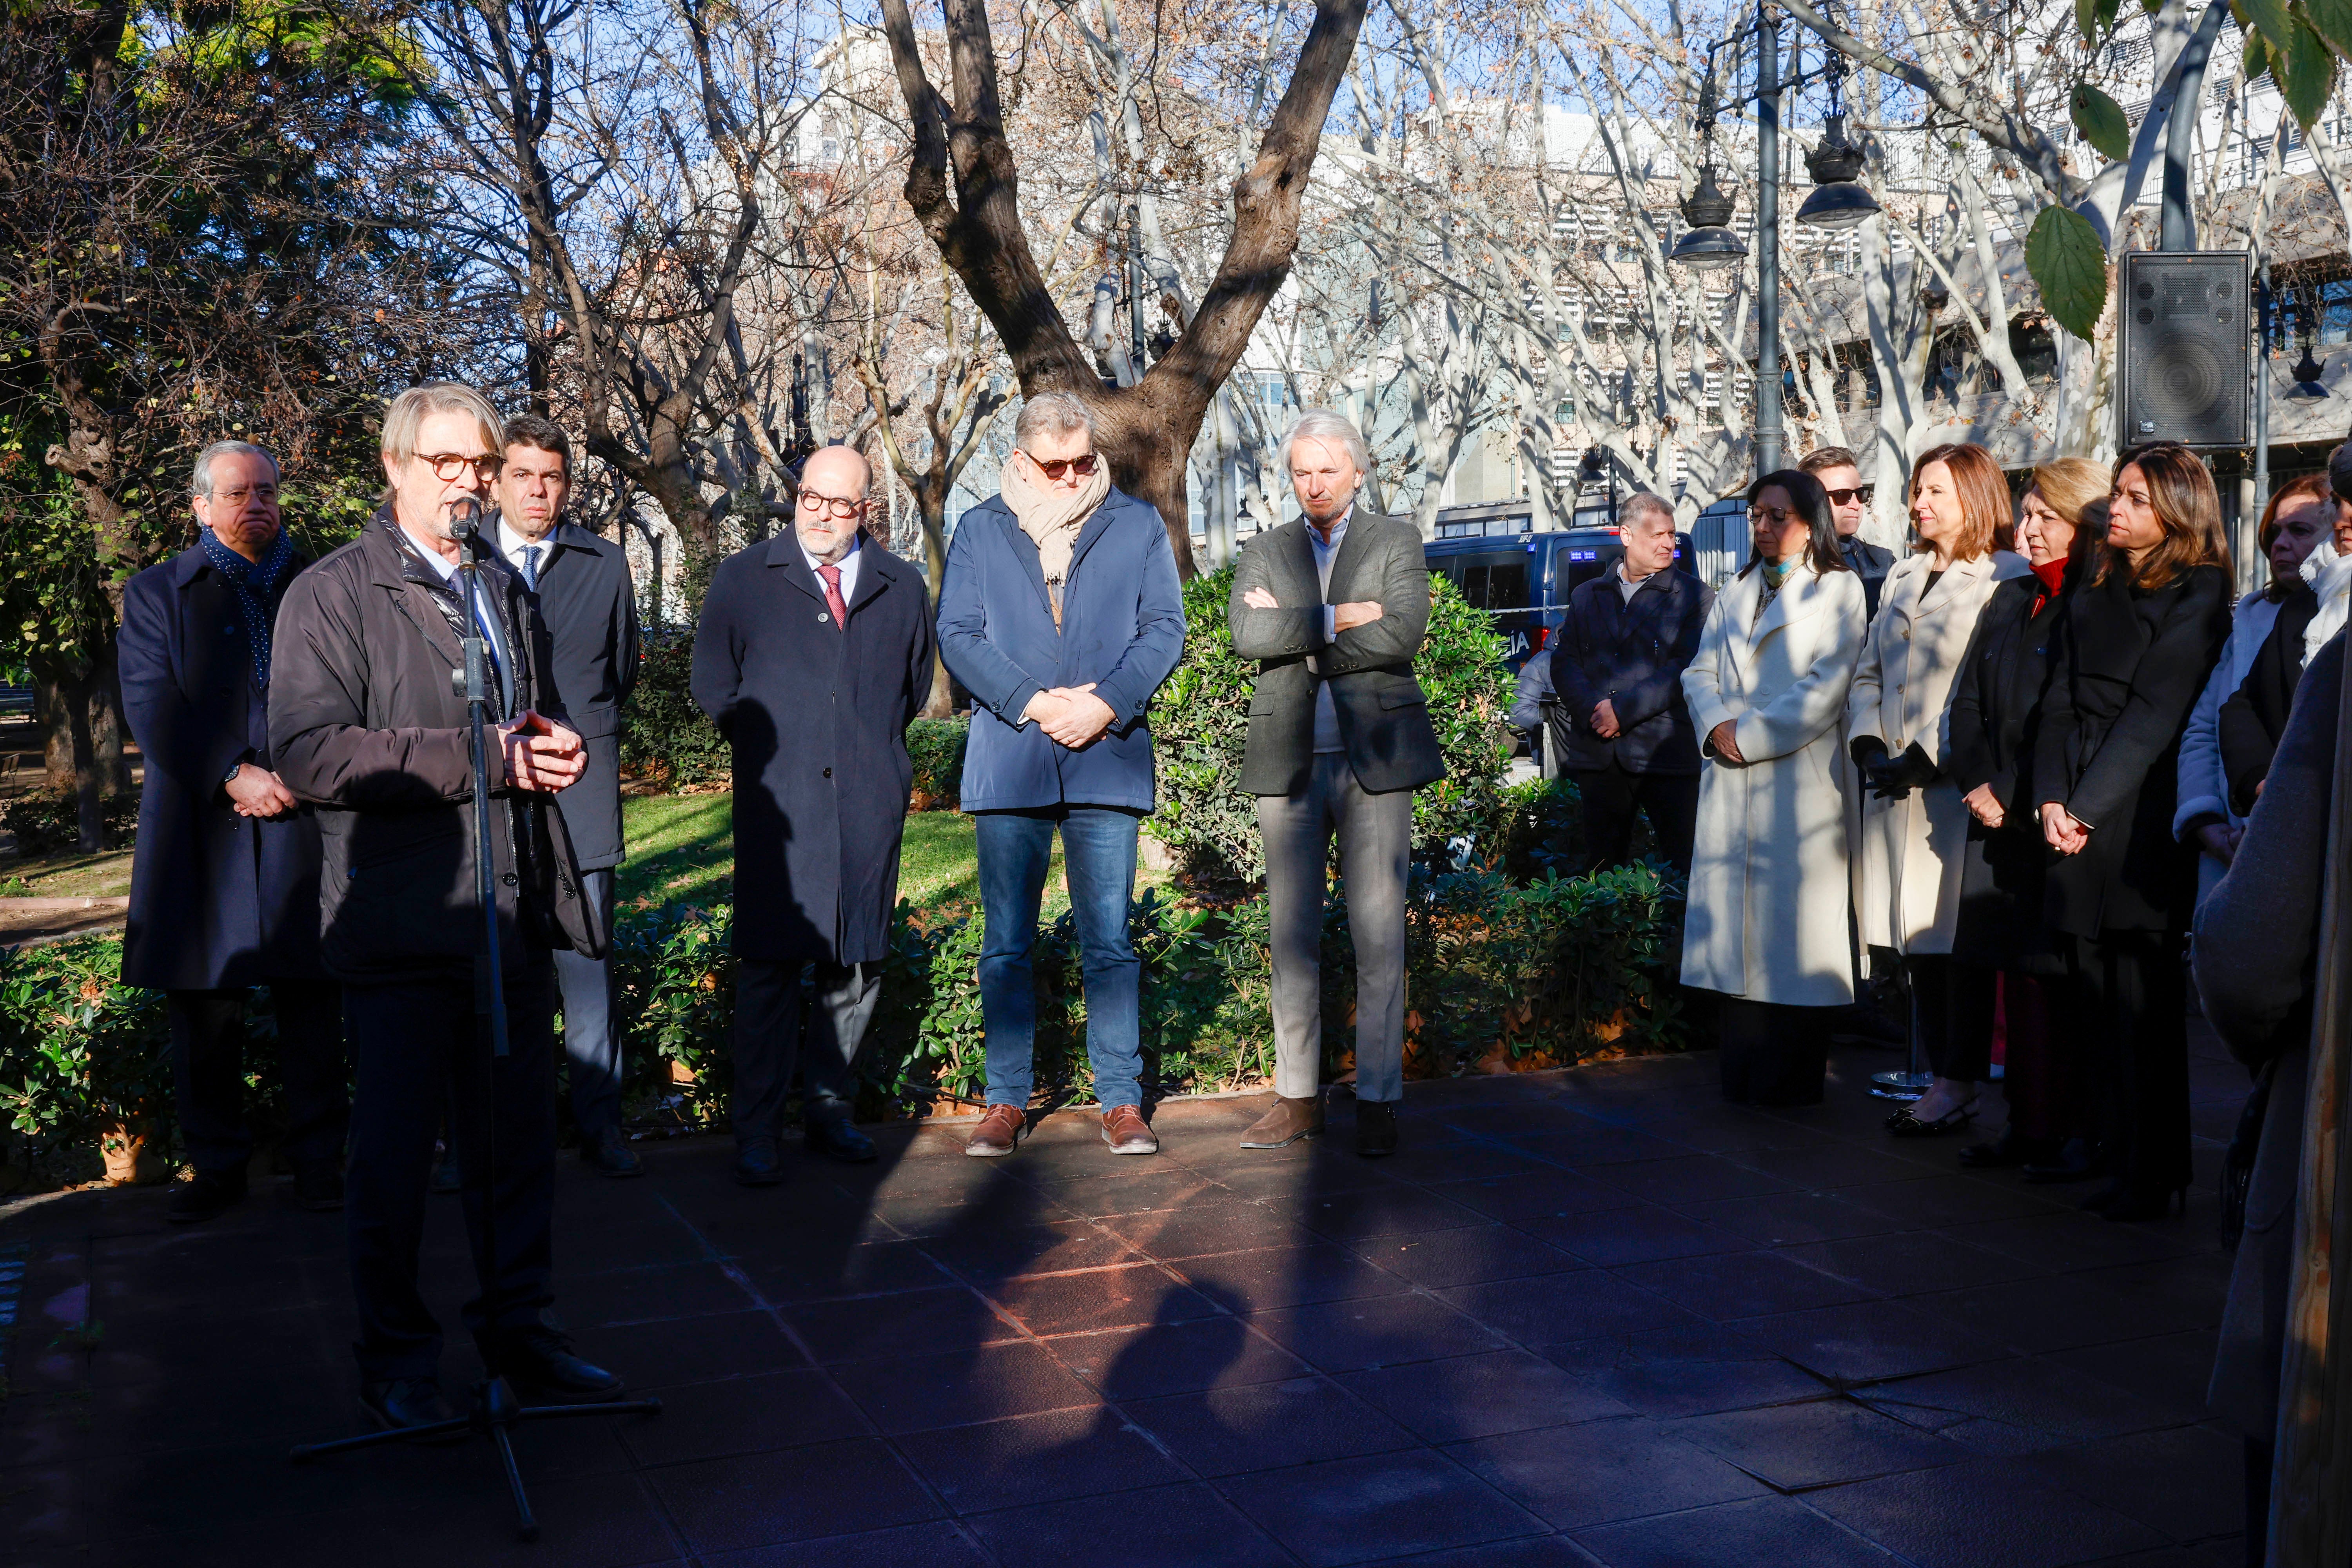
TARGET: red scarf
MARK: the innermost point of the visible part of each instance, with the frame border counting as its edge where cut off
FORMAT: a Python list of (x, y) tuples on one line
[(2054, 577)]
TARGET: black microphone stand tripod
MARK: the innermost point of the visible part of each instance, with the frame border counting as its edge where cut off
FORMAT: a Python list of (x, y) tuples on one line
[(495, 1411)]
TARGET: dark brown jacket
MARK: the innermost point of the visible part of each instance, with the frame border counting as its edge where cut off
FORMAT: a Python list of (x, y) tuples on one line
[(368, 724)]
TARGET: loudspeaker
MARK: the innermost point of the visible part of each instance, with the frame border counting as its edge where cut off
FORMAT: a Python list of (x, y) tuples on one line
[(2187, 349)]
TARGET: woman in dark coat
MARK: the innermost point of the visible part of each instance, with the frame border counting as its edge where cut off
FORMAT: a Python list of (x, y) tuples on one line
[(2135, 644), (1996, 708)]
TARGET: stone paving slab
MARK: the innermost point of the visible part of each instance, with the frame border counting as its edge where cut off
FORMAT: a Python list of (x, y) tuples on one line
[(1585, 1317)]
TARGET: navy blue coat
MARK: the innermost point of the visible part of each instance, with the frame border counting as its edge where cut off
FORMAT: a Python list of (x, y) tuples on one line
[(1633, 654), (818, 722), (591, 610), (217, 900), (1122, 628)]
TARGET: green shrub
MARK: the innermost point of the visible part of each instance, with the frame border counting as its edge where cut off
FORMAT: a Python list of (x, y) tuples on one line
[(665, 738), (1543, 827), (936, 748), (674, 990), (80, 1053), (1200, 726), (47, 818)]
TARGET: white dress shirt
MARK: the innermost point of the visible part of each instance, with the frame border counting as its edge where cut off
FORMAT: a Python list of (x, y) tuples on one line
[(514, 546), (848, 564)]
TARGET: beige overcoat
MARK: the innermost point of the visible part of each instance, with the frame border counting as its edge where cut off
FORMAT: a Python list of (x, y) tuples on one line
[(1909, 851), (1768, 887)]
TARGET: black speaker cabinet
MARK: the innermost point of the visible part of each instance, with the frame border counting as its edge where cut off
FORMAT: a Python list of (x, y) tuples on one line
[(2188, 345)]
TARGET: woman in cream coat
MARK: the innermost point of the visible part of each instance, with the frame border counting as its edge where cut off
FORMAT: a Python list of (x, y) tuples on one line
[(1767, 920), (1915, 825)]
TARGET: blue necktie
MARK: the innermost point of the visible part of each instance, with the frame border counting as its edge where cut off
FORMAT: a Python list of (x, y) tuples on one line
[(530, 567)]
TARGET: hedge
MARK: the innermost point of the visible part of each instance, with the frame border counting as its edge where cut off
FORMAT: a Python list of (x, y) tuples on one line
[(1200, 727), (1552, 970)]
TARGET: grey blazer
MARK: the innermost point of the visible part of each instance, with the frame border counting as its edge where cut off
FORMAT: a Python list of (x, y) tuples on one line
[(1383, 715)]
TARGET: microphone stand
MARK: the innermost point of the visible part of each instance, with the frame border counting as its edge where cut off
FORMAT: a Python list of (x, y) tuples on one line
[(495, 1411)]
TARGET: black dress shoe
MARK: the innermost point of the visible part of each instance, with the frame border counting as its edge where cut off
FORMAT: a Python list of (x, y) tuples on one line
[(540, 1366), (402, 1402), (211, 1194), (1376, 1128), (756, 1164), (2077, 1162), (836, 1137), (318, 1188), (606, 1151)]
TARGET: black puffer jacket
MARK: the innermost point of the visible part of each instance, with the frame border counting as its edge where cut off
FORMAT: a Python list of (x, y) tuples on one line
[(367, 722)]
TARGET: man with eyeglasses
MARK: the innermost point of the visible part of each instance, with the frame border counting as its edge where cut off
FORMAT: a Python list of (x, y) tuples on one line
[(368, 724), (1850, 506), (224, 882), (590, 607), (812, 656), (1062, 615)]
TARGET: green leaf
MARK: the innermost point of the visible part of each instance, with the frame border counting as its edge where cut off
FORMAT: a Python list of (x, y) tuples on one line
[(2257, 57), (2101, 120), (2332, 20), (2310, 74), (2070, 266), (2271, 18)]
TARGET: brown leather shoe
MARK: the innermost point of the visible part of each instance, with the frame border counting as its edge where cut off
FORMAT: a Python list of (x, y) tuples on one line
[(997, 1132), (1124, 1128), (1286, 1123)]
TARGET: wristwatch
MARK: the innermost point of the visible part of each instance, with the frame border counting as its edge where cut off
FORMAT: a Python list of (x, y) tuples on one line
[(235, 768)]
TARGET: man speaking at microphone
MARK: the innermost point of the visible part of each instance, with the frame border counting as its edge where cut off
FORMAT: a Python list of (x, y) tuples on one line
[(368, 722)]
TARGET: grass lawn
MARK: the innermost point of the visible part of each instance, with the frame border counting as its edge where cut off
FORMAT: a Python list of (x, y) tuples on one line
[(66, 874), (682, 846)]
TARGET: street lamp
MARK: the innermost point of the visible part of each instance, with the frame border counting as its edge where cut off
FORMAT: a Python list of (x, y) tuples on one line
[(1836, 203)]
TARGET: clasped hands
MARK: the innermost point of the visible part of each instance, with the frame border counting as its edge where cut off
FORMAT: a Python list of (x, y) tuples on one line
[(1345, 617), (541, 755), (256, 792), (2067, 834), (1071, 716), (1893, 778)]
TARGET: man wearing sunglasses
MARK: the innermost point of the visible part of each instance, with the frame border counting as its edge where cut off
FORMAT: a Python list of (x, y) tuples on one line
[(1061, 613), (1850, 506), (368, 725)]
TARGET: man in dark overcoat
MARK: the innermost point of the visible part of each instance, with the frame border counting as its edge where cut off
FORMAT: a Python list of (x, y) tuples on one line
[(590, 608), (812, 656), (225, 881), (368, 723), (1620, 727)]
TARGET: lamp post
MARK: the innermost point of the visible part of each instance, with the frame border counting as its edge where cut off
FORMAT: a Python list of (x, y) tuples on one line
[(1836, 203)]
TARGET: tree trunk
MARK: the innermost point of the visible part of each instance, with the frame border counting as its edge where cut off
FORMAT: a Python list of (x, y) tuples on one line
[(78, 705), (932, 511)]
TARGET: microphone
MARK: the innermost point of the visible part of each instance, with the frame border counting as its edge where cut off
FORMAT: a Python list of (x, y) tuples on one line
[(466, 523)]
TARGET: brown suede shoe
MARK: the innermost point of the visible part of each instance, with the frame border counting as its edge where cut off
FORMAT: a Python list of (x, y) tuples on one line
[(1286, 1123), (1124, 1128), (997, 1132)]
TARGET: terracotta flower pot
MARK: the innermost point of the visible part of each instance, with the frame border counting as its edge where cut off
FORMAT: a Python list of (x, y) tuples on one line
[(123, 1147)]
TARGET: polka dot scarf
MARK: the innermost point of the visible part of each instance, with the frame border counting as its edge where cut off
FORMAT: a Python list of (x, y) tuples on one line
[(253, 583)]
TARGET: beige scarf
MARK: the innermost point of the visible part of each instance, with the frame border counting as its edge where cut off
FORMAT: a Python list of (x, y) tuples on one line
[(1052, 518)]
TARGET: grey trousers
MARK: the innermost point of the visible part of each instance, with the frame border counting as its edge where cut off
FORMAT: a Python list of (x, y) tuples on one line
[(1375, 834), (588, 1037), (768, 1040)]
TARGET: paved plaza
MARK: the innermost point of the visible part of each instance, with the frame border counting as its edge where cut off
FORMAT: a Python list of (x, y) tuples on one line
[(1593, 1316)]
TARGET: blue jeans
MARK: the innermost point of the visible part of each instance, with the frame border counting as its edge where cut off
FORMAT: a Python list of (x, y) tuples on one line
[(1098, 849)]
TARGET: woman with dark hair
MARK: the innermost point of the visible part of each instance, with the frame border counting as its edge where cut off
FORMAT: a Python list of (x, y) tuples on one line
[(2252, 713), (1767, 918), (2299, 519), (1996, 710), (1913, 826), (2135, 642)]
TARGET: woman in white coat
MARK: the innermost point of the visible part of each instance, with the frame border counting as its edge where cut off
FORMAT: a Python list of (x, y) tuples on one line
[(1915, 825), (1766, 925)]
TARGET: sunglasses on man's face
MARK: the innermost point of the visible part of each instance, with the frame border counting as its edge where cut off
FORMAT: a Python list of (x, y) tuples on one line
[(1054, 468), (1847, 497)]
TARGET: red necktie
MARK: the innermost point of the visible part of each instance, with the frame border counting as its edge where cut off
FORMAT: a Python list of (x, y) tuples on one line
[(832, 575)]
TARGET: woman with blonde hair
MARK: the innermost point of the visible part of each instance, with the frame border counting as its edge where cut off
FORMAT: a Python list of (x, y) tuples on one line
[(1995, 713), (1913, 826), (2135, 643)]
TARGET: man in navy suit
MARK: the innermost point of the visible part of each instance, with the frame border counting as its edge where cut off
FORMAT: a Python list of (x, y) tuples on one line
[(225, 881), (1620, 727)]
